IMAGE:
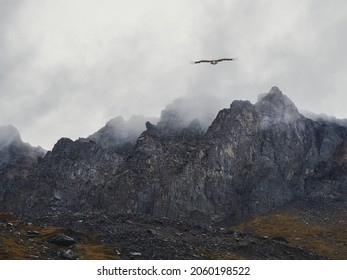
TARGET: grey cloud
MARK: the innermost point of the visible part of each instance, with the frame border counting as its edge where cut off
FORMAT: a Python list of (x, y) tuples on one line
[(201, 108), (8, 135)]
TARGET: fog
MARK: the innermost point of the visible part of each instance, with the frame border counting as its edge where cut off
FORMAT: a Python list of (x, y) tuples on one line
[(67, 67), (8, 135)]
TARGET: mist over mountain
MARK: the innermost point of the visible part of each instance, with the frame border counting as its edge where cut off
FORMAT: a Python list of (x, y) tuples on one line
[(12, 149), (181, 114), (119, 133), (324, 118)]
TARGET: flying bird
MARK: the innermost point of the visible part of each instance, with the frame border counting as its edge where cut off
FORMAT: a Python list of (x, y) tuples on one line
[(213, 61)]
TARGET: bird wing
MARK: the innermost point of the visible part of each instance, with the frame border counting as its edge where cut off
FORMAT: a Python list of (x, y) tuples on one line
[(227, 59), (203, 60)]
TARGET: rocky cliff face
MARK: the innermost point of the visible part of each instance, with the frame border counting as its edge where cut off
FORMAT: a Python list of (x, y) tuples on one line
[(17, 160), (251, 159)]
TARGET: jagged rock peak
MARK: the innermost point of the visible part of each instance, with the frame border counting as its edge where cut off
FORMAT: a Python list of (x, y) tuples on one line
[(240, 105), (150, 126), (63, 144), (275, 90), (274, 106), (151, 129)]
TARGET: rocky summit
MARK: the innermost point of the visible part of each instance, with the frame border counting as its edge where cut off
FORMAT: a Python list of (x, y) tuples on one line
[(252, 160)]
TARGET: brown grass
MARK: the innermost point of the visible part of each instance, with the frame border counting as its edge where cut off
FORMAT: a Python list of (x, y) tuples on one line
[(329, 241), (12, 249)]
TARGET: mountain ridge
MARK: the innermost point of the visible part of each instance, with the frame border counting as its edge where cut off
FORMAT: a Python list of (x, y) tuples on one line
[(252, 159)]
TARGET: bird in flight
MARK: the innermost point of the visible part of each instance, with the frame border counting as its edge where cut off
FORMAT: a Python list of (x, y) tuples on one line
[(213, 61)]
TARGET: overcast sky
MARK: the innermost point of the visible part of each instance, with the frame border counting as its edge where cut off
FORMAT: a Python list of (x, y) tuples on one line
[(68, 66)]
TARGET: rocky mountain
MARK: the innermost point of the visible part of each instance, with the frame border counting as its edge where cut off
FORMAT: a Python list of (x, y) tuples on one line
[(253, 158)]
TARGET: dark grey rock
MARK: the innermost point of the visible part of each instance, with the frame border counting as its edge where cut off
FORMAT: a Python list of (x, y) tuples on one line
[(32, 233), (151, 231), (69, 255), (280, 239), (62, 240)]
